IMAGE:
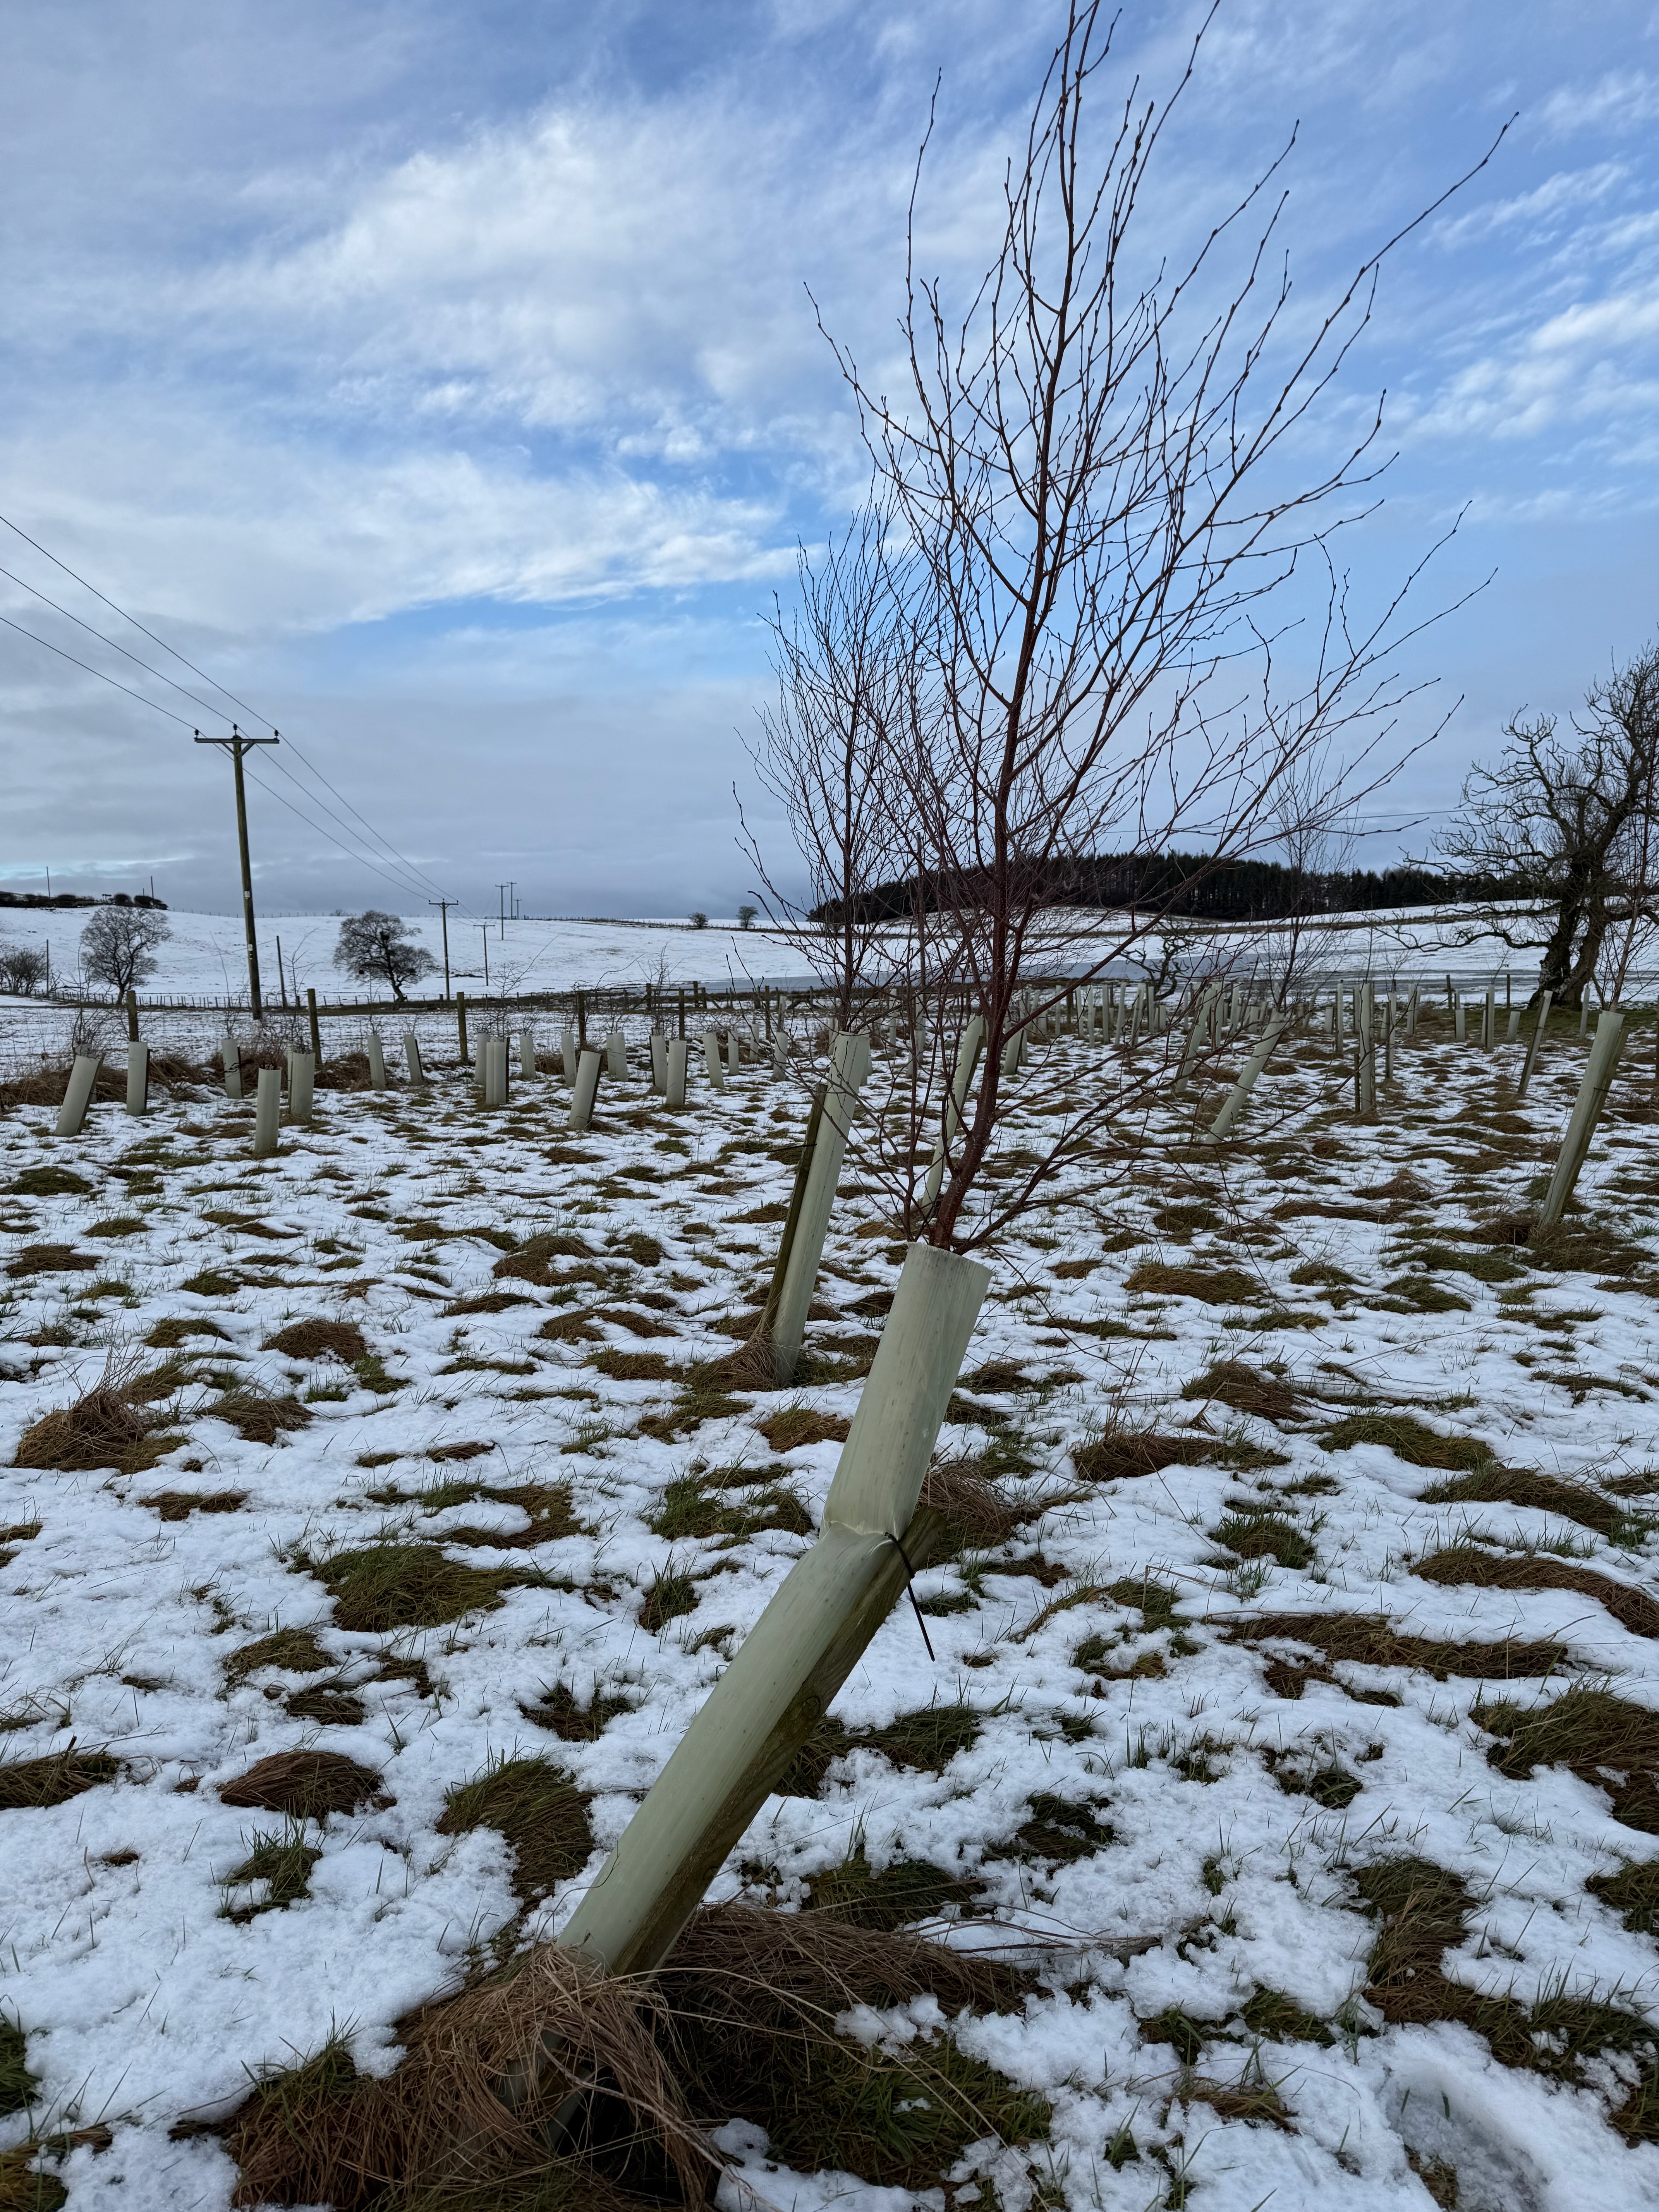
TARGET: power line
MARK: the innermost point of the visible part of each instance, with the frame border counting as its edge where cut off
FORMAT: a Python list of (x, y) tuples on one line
[(134, 620), (419, 881), (98, 672), (159, 675)]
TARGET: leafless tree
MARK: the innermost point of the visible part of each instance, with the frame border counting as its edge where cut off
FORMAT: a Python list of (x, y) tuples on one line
[(382, 948), (1104, 479), (1560, 835), (845, 659), (117, 946)]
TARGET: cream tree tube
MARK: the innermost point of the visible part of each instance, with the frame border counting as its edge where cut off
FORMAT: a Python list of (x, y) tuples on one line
[(376, 1061), (806, 1642), (137, 1077), (849, 1069), (711, 1053), (674, 1080), (267, 1112), (1537, 1044), (659, 1061), (616, 1055), (301, 1079), (528, 1053), (77, 1094), (1233, 1104), (1586, 1113), (968, 1052), (230, 1057), (412, 1054), (584, 1090)]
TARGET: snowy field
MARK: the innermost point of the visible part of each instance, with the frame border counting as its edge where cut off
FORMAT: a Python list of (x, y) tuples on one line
[(1299, 1715)]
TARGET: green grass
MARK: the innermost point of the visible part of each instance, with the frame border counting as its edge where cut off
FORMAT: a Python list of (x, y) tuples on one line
[(904, 1892), (1408, 1439), (16, 2082), (691, 1508), (281, 1860), (1261, 1533), (1633, 1892)]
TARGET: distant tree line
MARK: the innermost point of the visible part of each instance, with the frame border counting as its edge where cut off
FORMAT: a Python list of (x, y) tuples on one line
[(1195, 885), (73, 898)]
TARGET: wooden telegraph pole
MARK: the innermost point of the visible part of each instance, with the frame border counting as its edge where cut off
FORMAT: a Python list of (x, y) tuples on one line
[(443, 906), (236, 744)]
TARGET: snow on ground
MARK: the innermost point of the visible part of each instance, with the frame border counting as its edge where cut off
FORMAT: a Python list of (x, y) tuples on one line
[(1217, 1395)]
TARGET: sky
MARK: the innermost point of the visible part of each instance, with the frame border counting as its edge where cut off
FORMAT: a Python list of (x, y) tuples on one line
[(446, 383)]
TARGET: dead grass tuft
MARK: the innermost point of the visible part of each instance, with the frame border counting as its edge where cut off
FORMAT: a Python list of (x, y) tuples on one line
[(1367, 1640), (532, 1261), (1604, 1740), (294, 1648), (1466, 1565), (1213, 1286), (50, 1260), (1633, 1891), (307, 1785), (1407, 1439), (320, 1339), (539, 1810), (39, 1783), (1246, 1389), (789, 1431), (1259, 1533), (692, 1508), (926, 1740), (1122, 1450), (1544, 1493), (179, 1504), (973, 1514), (103, 1428), (168, 1335), (258, 1418), (395, 1585), (904, 1892)]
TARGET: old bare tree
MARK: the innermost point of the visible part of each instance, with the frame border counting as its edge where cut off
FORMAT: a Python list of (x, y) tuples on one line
[(1560, 834)]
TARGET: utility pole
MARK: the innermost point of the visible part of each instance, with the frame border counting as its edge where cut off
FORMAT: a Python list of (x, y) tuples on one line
[(501, 893), (512, 901), (236, 744), (483, 931), (443, 906)]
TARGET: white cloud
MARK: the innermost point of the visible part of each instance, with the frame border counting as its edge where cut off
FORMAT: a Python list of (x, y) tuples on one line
[(1540, 210), (1617, 101)]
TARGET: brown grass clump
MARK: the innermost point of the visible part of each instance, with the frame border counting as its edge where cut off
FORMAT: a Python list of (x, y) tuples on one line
[(1544, 1493), (308, 1785), (1246, 1389), (926, 1740), (168, 1335), (40, 1782), (103, 1428), (1366, 1640), (532, 1261), (320, 1339), (789, 1431), (438, 2131), (1211, 1286), (259, 1417), (1597, 1735), (1464, 1564), (1404, 1185), (179, 1504), (633, 1366), (1407, 1439), (973, 1514), (380, 1587), (50, 1182), (50, 1259), (1122, 1450), (296, 1648), (539, 1811), (753, 1997)]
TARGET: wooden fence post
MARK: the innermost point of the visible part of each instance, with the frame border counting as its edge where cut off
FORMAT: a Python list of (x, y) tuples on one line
[(132, 1018), (1587, 1111), (460, 1026), (804, 1646), (316, 1032)]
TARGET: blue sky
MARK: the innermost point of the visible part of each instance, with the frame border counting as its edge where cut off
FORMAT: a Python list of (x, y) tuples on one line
[(443, 381)]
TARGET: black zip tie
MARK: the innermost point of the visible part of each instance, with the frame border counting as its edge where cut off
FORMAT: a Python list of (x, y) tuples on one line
[(910, 1589)]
